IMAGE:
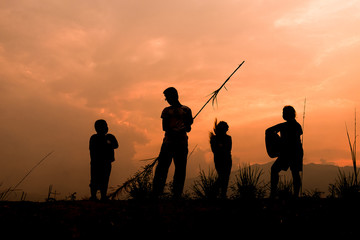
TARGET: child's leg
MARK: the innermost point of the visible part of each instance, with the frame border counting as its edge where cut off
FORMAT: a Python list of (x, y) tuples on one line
[(161, 171), (180, 161), (296, 182), (223, 170), (225, 180), (105, 181), (93, 192), (94, 179), (275, 169)]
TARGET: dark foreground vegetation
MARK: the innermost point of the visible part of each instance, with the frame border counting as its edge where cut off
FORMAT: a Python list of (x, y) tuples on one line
[(283, 218)]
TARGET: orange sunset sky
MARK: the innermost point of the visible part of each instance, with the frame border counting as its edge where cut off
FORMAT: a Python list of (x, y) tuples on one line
[(65, 64)]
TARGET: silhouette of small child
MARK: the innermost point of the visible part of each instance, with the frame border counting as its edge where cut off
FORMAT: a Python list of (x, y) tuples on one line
[(291, 150), (221, 145), (101, 147)]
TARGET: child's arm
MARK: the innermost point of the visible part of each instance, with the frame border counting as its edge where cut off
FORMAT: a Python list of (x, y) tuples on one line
[(112, 140), (92, 147), (275, 129), (230, 143), (189, 120)]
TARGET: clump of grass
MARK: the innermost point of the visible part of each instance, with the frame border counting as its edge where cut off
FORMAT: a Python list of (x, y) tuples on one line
[(206, 186), (248, 184), (285, 187), (137, 182), (71, 197), (345, 186), (313, 194), (4, 193), (141, 187), (353, 150)]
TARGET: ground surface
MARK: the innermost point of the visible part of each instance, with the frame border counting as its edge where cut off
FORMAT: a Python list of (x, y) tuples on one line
[(236, 219)]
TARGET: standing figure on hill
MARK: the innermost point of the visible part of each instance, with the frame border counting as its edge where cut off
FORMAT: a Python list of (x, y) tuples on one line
[(176, 122), (290, 151), (221, 145), (102, 145)]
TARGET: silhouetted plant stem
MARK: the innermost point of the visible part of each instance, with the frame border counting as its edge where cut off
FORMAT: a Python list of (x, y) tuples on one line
[(353, 149), (146, 170), (216, 92), (32, 169)]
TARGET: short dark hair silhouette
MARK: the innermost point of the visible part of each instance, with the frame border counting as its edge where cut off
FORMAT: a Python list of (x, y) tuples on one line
[(221, 128), (171, 92), (101, 126), (289, 113)]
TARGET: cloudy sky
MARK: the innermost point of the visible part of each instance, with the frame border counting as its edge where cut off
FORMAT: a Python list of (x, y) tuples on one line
[(65, 64)]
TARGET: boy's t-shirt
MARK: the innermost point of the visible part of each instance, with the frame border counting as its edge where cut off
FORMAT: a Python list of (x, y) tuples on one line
[(178, 119), (102, 148)]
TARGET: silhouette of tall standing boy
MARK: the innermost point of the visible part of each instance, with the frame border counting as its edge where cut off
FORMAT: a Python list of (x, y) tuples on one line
[(176, 122), (290, 151), (102, 145), (221, 145)]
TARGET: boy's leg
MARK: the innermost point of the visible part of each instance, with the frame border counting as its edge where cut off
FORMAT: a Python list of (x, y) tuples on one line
[(296, 182), (105, 181), (180, 161), (93, 181), (275, 169), (225, 181), (93, 192), (221, 178), (161, 170)]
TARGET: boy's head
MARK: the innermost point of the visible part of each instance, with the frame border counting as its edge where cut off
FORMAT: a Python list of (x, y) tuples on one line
[(289, 113), (101, 127), (221, 128), (171, 95)]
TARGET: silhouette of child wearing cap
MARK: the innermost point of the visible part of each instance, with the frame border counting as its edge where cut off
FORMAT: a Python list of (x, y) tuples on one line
[(102, 145), (291, 150), (221, 145)]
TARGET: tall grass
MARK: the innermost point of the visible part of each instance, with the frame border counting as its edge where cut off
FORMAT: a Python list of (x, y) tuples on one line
[(4, 193), (352, 146), (138, 182), (206, 186), (248, 184), (141, 188), (285, 187), (345, 186)]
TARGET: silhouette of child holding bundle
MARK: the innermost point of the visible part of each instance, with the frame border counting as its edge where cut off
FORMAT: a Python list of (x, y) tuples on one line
[(290, 153), (102, 145), (221, 145)]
